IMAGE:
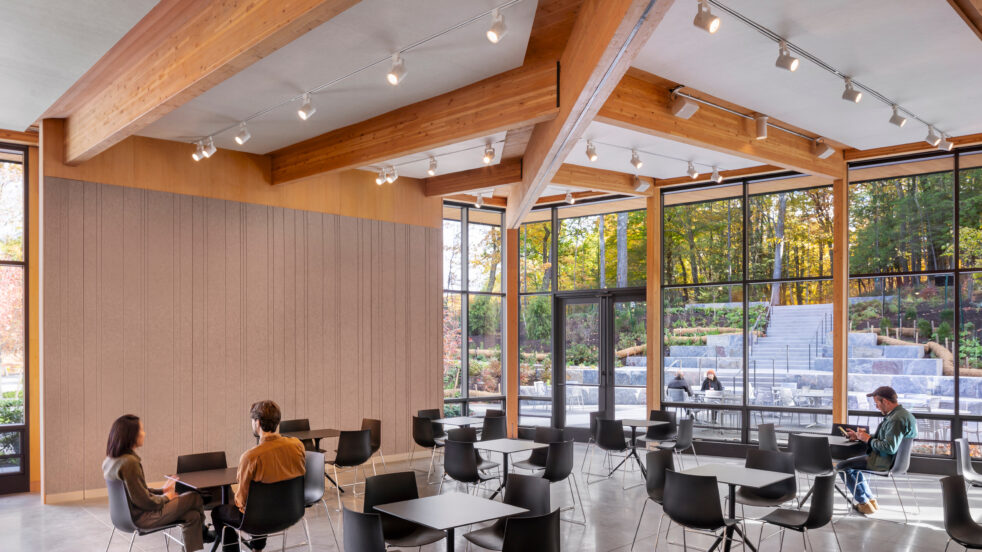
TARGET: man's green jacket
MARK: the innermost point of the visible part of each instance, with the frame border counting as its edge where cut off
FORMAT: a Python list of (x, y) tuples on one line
[(884, 443)]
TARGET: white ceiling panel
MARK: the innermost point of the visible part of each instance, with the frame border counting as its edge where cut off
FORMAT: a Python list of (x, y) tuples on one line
[(918, 53), (368, 32), (47, 45)]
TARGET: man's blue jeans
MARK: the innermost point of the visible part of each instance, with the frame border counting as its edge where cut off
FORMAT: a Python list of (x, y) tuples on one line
[(854, 479)]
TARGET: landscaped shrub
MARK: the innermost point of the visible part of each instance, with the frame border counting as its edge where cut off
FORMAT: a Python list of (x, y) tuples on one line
[(943, 332), (948, 315), (924, 328)]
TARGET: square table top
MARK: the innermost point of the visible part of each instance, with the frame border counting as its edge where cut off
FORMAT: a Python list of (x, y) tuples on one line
[(207, 478), (508, 446), (446, 511), (313, 434), (460, 421), (840, 440), (732, 474), (644, 423)]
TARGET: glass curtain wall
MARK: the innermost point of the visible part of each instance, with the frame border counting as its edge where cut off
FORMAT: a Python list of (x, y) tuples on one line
[(13, 317), (472, 310)]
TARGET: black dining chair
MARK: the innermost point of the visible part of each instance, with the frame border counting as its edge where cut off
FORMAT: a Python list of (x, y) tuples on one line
[(271, 509), (362, 532), (811, 457), (537, 459), (591, 440), (460, 464), (963, 463), (683, 440), (423, 437), (396, 487), (958, 521), (657, 462), (692, 501), (121, 516), (469, 435), (300, 424), (354, 450), (611, 440), (559, 468), (660, 433), (434, 414), (901, 466), (539, 533), (818, 515), (523, 491), (845, 452), (775, 494), (211, 496), (495, 427), (767, 437), (375, 440), (313, 491), (493, 412)]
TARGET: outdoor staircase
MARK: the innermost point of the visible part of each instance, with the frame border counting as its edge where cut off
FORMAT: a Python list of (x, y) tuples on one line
[(794, 338)]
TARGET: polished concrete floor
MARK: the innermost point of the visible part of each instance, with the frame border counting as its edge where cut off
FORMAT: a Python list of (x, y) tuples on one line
[(612, 515)]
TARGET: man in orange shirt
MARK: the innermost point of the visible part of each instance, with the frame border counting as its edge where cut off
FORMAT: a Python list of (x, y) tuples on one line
[(275, 458)]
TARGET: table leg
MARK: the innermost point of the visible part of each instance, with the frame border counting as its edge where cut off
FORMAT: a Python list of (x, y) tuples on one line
[(317, 445), (225, 489), (450, 538), (731, 513), (504, 475)]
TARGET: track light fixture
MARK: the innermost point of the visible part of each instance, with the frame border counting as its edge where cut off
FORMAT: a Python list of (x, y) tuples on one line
[(380, 179), (243, 135), (306, 110), (432, 170), (823, 150), (705, 20), (683, 107), (945, 144), (897, 118), (391, 175), (488, 154), (569, 197), (760, 122), (480, 201), (716, 177), (850, 94), (209, 148), (932, 137), (636, 160), (784, 58), (591, 152), (691, 171), (199, 151), (497, 30), (640, 186), (398, 70)]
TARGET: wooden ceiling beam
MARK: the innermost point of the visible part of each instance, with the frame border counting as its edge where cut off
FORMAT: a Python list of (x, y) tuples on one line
[(513, 99), (606, 37), (971, 13), (641, 102), (210, 42), (732, 173), (17, 137), (505, 173), (589, 178), (907, 149)]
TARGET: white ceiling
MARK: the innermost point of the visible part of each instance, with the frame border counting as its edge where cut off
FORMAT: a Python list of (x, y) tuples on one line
[(450, 159), (660, 158), (919, 53), (368, 32), (47, 45)]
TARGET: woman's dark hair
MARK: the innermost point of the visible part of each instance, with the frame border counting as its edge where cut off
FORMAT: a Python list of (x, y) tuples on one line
[(122, 435), (268, 414)]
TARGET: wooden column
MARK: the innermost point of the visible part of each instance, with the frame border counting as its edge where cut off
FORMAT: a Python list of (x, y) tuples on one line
[(654, 303), (840, 300), (34, 316), (511, 330)]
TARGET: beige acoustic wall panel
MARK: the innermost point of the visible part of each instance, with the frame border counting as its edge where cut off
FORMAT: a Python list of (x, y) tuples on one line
[(185, 310)]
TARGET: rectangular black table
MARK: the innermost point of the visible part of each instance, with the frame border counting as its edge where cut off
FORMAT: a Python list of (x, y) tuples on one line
[(460, 421), (204, 479), (506, 447), (634, 425), (446, 512), (733, 475)]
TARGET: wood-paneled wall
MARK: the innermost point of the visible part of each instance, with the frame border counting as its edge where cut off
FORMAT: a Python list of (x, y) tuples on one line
[(184, 310)]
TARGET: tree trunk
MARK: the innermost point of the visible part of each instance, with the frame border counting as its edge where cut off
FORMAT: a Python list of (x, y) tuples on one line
[(546, 262), (621, 249), (782, 202), (690, 239)]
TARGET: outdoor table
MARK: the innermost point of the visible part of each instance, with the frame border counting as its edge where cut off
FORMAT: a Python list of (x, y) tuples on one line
[(506, 447), (316, 435), (733, 475), (634, 425), (204, 479), (446, 512), (460, 421)]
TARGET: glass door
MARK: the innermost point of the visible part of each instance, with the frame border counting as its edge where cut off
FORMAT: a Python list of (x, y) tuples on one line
[(581, 360), (630, 359)]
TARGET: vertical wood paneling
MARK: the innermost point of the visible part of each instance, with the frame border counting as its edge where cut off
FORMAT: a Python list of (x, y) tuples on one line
[(185, 310)]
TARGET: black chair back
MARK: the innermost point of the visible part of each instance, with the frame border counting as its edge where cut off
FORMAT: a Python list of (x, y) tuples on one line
[(823, 497), (544, 435), (683, 439), (539, 533), (662, 432), (200, 462), (559, 461), (434, 414), (657, 462), (495, 427), (313, 478), (119, 506), (774, 461), (957, 514), (363, 532), (811, 453), (354, 448), (610, 435), (460, 462), (493, 412), (464, 434), (594, 416), (391, 487), (300, 424), (423, 432), (374, 428), (273, 507), (692, 501), (767, 437)]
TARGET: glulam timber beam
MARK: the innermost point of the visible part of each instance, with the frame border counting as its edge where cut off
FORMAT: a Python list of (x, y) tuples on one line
[(505, 173), (732, 173), (840, 301), (513, 99), (907, 149), (185, 48), (971, 13), (641, 102), (17, 137), (589, 178), (606, 37)]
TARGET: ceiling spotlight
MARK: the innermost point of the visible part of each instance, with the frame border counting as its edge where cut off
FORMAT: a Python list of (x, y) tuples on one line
[(569, 197), (850, 94), (199, 151), (760, 121), (705, 20), (636, 160), (380, 179), (591, 151), (497, 30), (306, 110), (784, 58), (210, 148), (897, 118), (823, 150), (432, 170), (398, 70), (932, 137), (683, 107), (640, 186), (392, 175), (945, 144), (716, 177), (243, 135), (480, 201), (691, 171), (488, 154)]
